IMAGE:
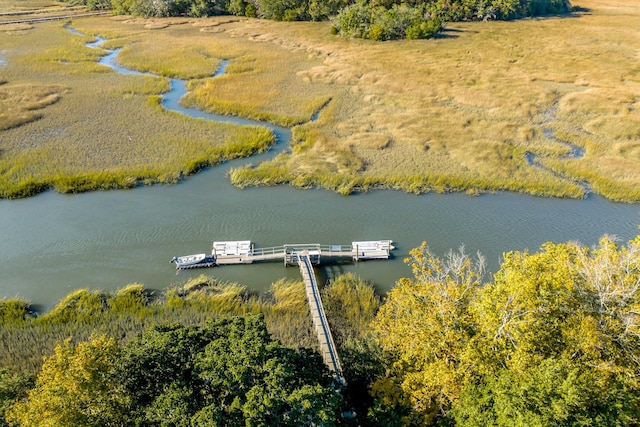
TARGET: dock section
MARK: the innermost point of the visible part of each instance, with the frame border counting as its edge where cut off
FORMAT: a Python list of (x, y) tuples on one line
[(244, 252), (320, 323), (305, 256)]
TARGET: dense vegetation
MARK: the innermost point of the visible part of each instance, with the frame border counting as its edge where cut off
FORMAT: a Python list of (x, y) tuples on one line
[(374, 19), (85, 319), (303, 10), (553, 338), (225, 372)]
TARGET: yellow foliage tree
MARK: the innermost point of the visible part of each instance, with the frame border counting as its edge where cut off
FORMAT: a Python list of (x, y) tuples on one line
[(554, 338), (75, 388), (426, 325)]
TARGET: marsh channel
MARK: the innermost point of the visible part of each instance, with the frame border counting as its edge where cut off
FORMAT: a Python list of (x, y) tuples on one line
[(53, 243)]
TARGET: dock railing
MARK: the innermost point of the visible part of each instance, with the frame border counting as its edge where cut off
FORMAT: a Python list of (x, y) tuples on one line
[(325, 338)]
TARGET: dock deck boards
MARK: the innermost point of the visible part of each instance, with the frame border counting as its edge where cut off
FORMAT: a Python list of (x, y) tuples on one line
[(305, 256), (320, 323)]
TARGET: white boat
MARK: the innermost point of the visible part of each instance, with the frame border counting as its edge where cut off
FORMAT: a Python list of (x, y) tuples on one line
[(193, 261)]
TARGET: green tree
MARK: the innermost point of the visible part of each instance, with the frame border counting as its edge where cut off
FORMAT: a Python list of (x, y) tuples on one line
[(386, 22), (556, 392), (226, 372), (76, 387), (283, 10), (249, 377), (156, 366)]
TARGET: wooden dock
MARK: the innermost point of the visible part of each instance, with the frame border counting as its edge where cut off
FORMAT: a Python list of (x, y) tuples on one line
[(320, 323), (305, 256), (244, 252)]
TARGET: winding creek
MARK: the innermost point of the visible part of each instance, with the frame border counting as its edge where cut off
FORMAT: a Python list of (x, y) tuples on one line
[(53, 243), (575, 152)]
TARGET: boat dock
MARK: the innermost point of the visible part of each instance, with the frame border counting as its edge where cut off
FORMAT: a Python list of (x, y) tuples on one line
[(244, 252), (305, 256)]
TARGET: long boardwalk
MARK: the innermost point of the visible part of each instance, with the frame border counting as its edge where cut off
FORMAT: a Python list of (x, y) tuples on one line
[(305, 255), (327, 346)]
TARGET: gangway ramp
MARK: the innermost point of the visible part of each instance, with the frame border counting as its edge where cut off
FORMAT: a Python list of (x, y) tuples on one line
[(320, 323)]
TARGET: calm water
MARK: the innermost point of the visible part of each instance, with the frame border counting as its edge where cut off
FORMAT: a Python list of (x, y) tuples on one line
[(52, 243), (55, 243)]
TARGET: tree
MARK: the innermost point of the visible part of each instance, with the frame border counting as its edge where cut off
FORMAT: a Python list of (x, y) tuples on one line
[(557, 339), (555, 392), (283, 10), (553, 339), (425, 326), (13, 387), (157, 366), (226, 372), (247, 376), (76, 387)]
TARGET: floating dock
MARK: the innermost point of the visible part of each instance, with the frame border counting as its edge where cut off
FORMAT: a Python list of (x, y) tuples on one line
[(305, 256), (244, 252)]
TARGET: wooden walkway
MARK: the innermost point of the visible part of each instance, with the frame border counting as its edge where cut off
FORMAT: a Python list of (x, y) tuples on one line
[(327, 346), (305, 256)]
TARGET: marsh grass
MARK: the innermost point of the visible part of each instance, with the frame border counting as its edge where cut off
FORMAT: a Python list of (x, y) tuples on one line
[(19, 104), (22, 5), (455, 113), (105, 130), (464, 108), (26, 338)]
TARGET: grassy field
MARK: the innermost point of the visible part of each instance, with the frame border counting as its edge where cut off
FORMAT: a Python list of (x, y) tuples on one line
[(461, 111), (456, 113)]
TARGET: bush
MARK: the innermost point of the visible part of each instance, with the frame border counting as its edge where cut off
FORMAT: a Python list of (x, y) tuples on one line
[(379, 23)]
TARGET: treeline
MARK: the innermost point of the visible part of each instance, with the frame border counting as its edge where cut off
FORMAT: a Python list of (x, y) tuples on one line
[(89, 339), (374, 19), (552, 339), (226, 372)]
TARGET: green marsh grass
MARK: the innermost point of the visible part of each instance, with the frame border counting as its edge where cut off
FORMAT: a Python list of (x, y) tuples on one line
[(25, 337)]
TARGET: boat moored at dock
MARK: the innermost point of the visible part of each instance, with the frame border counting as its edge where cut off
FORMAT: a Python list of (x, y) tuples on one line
[(193, 261), (243, 252)]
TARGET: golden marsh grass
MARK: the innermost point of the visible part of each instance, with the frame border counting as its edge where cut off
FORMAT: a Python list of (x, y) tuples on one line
[(105, 131), (458, 112), (466, 107)]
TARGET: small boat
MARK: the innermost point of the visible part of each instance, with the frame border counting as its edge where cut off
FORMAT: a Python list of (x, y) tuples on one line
[(193, 261)]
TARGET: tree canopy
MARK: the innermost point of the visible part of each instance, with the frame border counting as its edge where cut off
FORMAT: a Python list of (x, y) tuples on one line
[(228, 372), (554, 339), (373, 19)]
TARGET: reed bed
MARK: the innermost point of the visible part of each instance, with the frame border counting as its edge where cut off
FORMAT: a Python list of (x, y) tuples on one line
[(26, 337)]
